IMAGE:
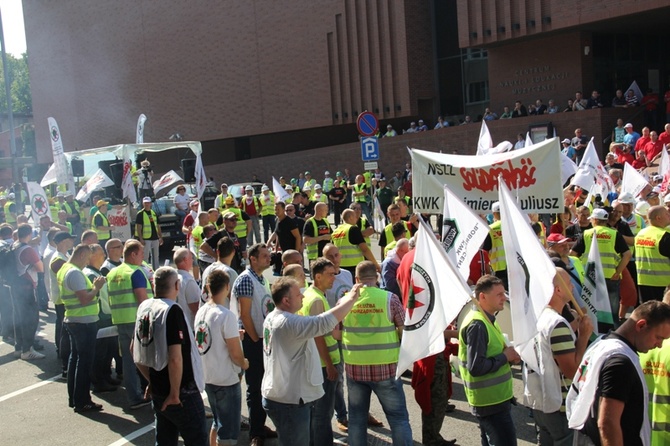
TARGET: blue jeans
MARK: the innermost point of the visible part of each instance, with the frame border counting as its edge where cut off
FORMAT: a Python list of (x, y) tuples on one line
[(498, 429), (322, 425), (80, 365), (392, 398), (552, 428), (268, 226), (292, 421), (254, 377), (226, 404), (131, 380), (187, 420)]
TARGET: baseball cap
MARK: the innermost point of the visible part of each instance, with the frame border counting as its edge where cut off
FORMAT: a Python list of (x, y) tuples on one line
[(389, 126), (146, 200), (230, 200), (224, 185), (642, 208), (307, 173), (101, 203), (557, 238), (307, 187), (229, 216), (249, 187), (656, 190), (658, 178), (566, 141), (626, 198), (495, 207), (193, 202), (289, 188), (420, 121), (599, 214), (628, 124), (62, 235), (265, 187)]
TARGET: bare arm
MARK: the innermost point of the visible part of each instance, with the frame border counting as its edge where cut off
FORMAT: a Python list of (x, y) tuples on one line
[(236, 353), (609, 422), (365, 249), (569, 362), (204, 247), (298, 240), (175, 371), (140, 294)]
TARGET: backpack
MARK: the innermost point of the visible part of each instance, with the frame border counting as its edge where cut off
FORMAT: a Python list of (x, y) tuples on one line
[(8, 270)]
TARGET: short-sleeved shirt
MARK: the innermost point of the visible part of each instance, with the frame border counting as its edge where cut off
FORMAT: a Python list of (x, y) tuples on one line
[(138, 279), (176, 333), (285, 237), (620, 245), (322, 227), (337, 193), (139, 220), (562, 342), (236, 262)]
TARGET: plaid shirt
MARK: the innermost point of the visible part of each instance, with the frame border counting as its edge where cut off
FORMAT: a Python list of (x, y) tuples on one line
[(382, 372), (243, 286)]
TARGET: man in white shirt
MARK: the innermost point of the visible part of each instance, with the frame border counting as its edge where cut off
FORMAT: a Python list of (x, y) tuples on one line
[(189, 292), (293, 380), (225, 250)]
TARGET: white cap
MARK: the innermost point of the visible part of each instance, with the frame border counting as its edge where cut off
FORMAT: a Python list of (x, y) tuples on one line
[(317, 186), (146, 200), (265, 187), (628, 124), (566, 141), (11, 195), (326, 173), (642, 208), (626, 198), (249, 187), (495, 207), (599, 214)]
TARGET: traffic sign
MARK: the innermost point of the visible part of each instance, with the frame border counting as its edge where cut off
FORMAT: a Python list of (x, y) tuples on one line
[(370, 165), (369, 149), (367, 124)]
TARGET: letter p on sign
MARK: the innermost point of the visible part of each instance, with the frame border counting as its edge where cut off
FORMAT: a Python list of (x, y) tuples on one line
[(369, 149)]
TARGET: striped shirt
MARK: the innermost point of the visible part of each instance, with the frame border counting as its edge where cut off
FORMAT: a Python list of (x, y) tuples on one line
[(562, 342)]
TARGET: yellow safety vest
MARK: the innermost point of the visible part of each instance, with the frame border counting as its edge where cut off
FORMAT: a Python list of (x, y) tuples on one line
[(122, 300), (313, 249), (497, 252), (351, 254), (222, 201), (655, 368), (102, 234), (9, 218), (653, 269), (606, 238), (492, 388), (268, 204), (358, 188), (73, 307), (146, 224), (369, 337), (310, 296), (240, 225), (389, 233)]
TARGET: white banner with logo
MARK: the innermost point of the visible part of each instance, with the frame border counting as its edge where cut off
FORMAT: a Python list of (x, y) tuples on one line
[(39, 205), (119, 218), (534, 171), (166, 182), (59, 156), (97, 181)]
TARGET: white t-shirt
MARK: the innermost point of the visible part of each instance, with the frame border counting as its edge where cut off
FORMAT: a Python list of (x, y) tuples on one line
[(341, 286), (213, 325), (181, 201), (203, 280), (189, 293)]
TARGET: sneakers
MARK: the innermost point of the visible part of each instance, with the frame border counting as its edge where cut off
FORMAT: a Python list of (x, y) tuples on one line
[(343, 425), (31, 354), (142, 403)]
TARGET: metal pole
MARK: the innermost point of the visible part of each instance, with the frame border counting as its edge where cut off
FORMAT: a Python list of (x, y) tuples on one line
[(10, 114)]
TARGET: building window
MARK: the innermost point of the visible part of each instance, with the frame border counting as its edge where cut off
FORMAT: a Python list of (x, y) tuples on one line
[(476, 53), (477, 92)]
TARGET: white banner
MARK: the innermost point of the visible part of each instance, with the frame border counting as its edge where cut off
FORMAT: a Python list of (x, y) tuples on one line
[(200, 177), (119, 218), (39, 204), (379, 222), (49, 177), (664, 170), (463, 232), (139, 135), (436, 296), (59, 156), (127, 185), (485, 143), (280, 192), (166, 182), (474, 179), (632, 180), (530, 276), (568, 168), (591, 171), (97, 181)]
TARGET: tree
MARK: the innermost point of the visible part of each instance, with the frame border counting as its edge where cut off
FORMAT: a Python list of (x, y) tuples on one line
[(20, 85)]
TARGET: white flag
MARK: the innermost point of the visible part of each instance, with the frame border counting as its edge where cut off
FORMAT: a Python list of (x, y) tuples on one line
[(379, 222), (59, 156), (49, 177), (664, 169), (97, 181), (38, 201), (485, 143), (594, 292), (280, 192), (166, 182), (139, 135), (636, 89), (591, 171), (632, 180), (463, 232), (530, 275), (437, 294), (127, 185), (529, 141), (568, 168), (200, 176)]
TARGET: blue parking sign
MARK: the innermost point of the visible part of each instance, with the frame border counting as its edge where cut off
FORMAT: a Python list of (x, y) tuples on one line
[(369, 148)]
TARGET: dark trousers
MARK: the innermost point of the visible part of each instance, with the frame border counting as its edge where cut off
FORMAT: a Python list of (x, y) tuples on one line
[(498, 429), (6, 312), (253, 351), (26, 315), (268, 228), (187, 420), (41, 292), (82, 339), (62, 337), (104, 352), (431, 424)]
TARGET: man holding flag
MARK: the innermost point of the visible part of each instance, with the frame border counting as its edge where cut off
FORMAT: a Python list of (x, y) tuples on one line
[(485, 364)]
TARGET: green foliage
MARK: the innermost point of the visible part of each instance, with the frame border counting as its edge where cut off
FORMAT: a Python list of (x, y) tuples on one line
[(20, 85), (28, 138)]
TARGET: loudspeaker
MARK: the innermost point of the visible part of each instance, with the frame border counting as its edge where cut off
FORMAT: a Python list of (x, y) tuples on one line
[(113, 169), (77, 167), (188, 168)]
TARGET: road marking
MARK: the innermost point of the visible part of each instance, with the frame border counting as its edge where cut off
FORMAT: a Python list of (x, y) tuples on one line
[(133, 435), (29, 388)]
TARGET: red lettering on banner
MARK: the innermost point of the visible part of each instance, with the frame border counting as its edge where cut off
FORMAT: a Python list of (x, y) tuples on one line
[(118, 219), (486, 179)]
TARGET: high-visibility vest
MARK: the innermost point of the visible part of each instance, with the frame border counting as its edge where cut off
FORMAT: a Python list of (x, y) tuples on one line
[(351, 254), (268, 204), (146, 224), (497, 252), (222, 201), (362, 223), (328, 184), (103, 234), (653, 268), (389, 247), (492, 388), (313, 249), (358, 188), (72, 208), (9, 218), (389, 233), (121, 297), (73, 307), (310, 296), (197, 237), (54, 208), (655, 365), (606, 239), (579, 267), (368, 335), (240, 225)]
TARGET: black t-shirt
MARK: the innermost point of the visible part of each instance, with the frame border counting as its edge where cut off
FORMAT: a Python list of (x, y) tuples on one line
[(337, 193), (356, 236), (299, 223), (574, 231), (284, 236), (322, 228), (176, 333), (236, 262), (309, 208), (619, 380), (623, 228), (139, 220)]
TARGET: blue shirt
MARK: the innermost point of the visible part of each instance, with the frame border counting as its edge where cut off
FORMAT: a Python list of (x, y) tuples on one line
[(630, 139)]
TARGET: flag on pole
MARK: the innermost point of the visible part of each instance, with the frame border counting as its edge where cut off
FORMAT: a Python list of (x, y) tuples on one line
[(463, 232), (200, 176), (591, 171), (166, 182), (97, 181), (485, 143), (59, 156), (594, 292), (632, 180), (39, 205), (379, 222), (529, 140), (139, 136), (437, 293), (568, 168), (530, 275), (127, 185), (49, 177), (279, 192)]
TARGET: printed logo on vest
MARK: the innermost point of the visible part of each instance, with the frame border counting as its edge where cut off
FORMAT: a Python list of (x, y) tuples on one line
[(145, 329)]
